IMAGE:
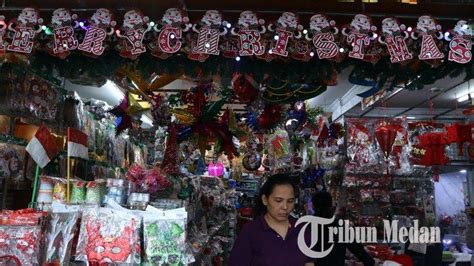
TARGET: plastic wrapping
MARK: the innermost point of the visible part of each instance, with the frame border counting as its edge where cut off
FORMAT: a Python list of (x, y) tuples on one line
[(108, 235), (59, 236), (12, 159), (164, 237), (20, 237), (21, 243), (360, 148), (35, 97)]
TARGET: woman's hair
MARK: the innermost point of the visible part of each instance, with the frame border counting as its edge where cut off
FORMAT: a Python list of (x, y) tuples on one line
[(267, 190), (322, 204)]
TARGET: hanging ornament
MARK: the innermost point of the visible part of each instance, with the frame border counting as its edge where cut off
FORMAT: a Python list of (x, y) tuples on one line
[(64, 40), (246, 89), (394, 36), (323, 33), (209, 33), (429, 31), (385, 135), (135, 26), (361, 35), (216, 169), (264, 120), (129, 107), (169, 33), (252, 159), (170, 164), (460, 42), (249, 31), (25, 29), (97, 28), (283, 33)]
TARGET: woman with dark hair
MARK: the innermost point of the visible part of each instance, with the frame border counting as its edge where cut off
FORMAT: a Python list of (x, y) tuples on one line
[(271, 238), (323, 207)]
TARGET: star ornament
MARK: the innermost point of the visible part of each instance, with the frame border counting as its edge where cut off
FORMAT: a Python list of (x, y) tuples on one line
[(131, 106)]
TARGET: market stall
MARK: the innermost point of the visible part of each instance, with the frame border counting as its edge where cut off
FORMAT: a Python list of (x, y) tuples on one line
[(147, 139)]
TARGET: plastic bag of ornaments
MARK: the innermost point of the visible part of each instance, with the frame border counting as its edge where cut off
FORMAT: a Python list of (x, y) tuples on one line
[(278, 147), (59, 236), (12, 158), (164, 233), (20, 244), (35, 97), (20, 237), (109, 236), (360, 148)]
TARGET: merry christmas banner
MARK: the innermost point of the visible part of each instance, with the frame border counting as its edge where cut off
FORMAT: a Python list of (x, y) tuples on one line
[(284, 39)]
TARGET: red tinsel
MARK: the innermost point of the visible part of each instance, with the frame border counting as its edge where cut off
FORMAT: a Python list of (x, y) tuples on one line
[(459, 134), (170, 163)]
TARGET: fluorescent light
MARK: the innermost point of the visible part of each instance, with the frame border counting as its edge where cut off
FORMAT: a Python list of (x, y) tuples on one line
[(463, 98), (147, 120), (411, 117), (463, 171), (115, 91)]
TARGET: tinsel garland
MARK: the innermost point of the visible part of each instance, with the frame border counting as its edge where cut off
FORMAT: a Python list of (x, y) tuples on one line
[(95, 71)]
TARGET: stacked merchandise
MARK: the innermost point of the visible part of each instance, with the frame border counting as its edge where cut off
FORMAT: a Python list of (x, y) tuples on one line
[(212, 220), (21, 237)]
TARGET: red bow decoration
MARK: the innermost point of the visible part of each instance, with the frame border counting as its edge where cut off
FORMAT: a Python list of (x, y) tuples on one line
[(430, 151)]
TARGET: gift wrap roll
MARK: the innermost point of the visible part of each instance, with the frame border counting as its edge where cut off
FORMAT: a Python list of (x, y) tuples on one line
[(45, 193)]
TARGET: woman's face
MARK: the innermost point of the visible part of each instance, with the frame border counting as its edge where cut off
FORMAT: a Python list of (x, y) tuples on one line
[(281, 202)]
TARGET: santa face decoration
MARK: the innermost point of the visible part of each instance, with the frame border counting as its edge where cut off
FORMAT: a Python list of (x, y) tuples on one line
[(133, 18), (361, 23), (463, 29), (390, 26), (61, 16), (426, 24), (319, 23), (174, 15), (212, 18), (29, 16), (102, 16), (288, 20), (248, 18)]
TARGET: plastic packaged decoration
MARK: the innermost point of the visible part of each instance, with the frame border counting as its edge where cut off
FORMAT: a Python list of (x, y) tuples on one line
[(11, 162), (21, 243), (360, 149), (109, 236), (33, 96), (59, 235), (20, 237), (164, 237), (78, 192)]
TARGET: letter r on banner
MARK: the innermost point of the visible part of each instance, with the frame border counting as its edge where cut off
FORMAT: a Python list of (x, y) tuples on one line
[(93, 41)]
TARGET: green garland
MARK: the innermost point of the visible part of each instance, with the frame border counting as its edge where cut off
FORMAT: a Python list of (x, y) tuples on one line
[(95, 71)]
